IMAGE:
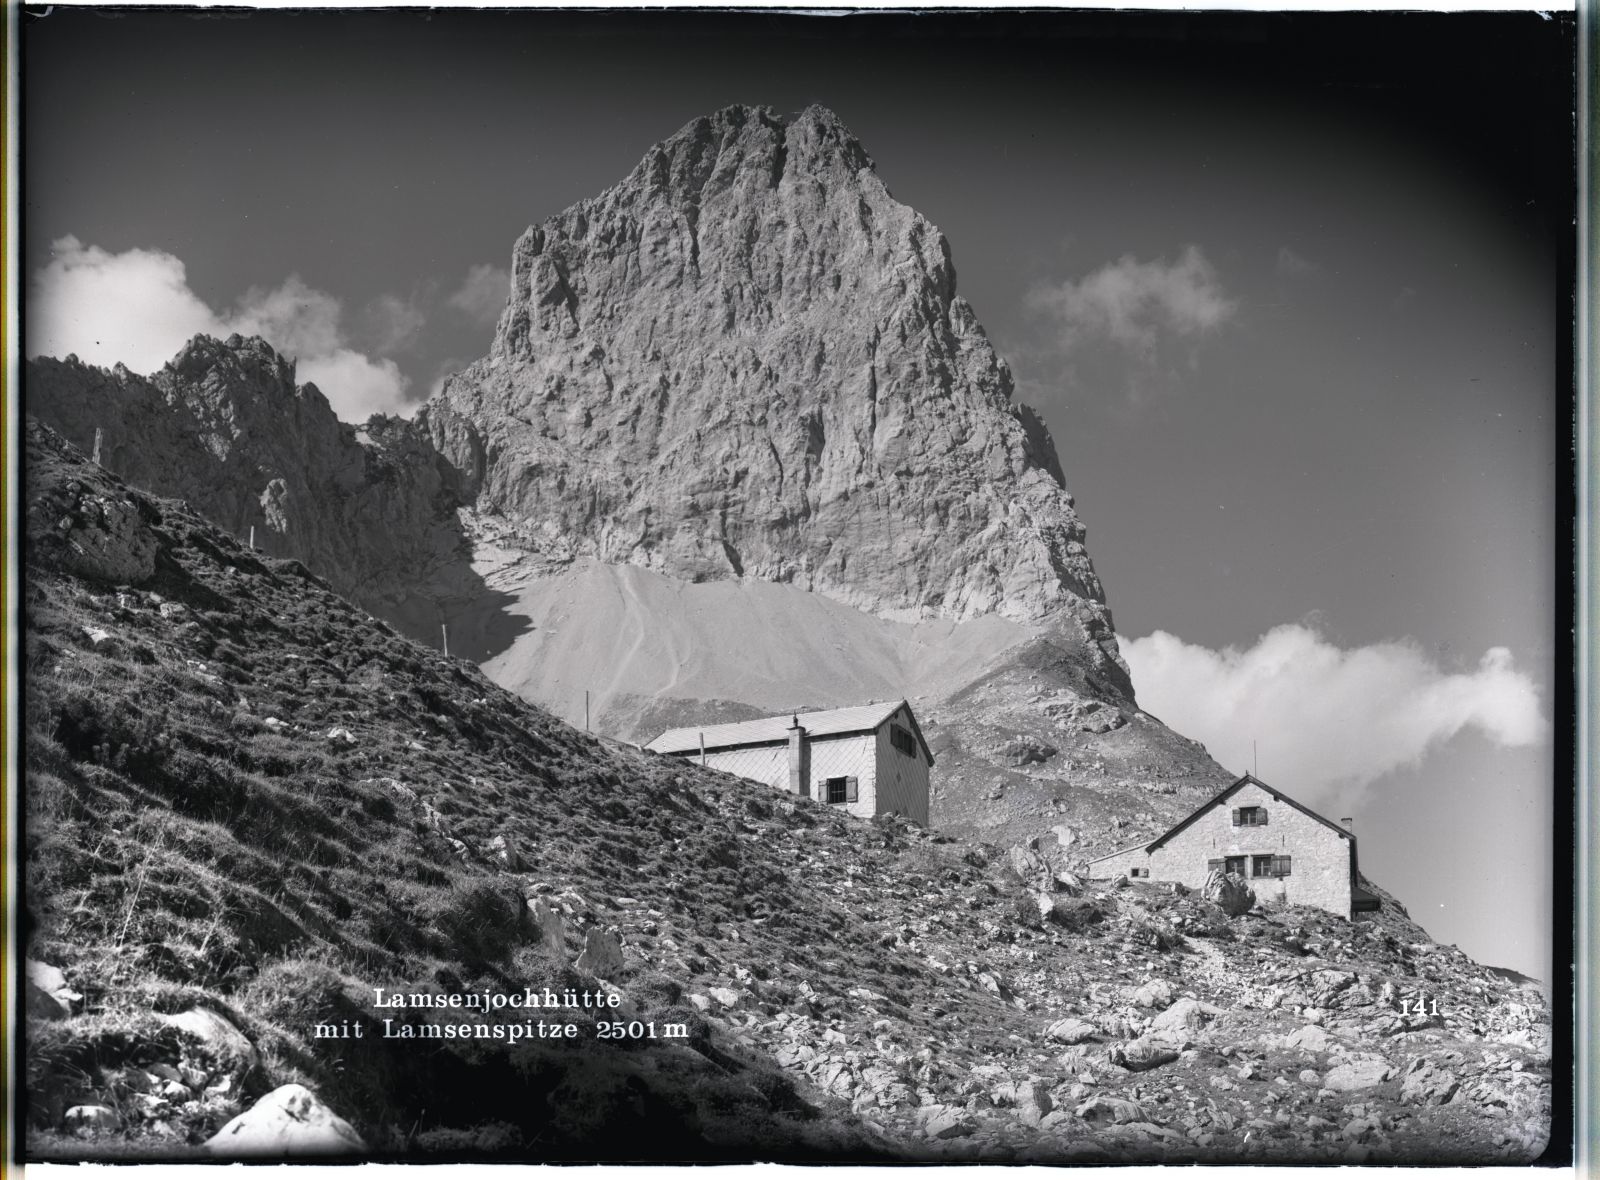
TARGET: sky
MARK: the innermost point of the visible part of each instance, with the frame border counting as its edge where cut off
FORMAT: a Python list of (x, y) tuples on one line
[(1286, 291)]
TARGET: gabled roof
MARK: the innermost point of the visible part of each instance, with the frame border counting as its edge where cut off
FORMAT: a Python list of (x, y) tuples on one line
[(1229, 790), (772, 731), (1118, 852)]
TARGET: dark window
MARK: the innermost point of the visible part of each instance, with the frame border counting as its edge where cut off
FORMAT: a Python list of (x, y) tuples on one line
[(902, 740), (1263, 866), (844, 790), (1233, 864), (1138, 872), (1249, 817)]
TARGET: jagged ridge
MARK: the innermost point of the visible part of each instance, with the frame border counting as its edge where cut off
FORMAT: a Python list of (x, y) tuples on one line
[(749, 360)]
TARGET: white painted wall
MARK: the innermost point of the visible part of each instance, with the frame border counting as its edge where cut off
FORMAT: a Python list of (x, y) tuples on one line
[(887, 780), (902, 779)]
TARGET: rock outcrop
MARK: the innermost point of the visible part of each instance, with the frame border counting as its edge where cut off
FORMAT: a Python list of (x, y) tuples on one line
[(224, 426), (748, 360)]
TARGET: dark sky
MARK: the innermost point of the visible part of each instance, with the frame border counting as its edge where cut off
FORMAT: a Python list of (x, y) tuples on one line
[(1332, 403)]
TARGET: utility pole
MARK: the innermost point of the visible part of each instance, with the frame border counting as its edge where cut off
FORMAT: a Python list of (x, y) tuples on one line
[(586, 710), (444, 637), (252, 538), (1255, 762)]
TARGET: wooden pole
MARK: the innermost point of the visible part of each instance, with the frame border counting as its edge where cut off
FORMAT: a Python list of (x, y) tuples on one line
[(252, 538), (586, 710), (702, 747), (444, 637)]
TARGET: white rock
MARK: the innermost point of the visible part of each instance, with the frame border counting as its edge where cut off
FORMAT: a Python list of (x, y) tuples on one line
[(290, 1121), (1071, 1031), (602, 953), (91, 1118), (218, 1035)]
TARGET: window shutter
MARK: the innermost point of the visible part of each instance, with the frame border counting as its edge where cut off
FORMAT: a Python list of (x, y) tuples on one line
[(1236, 811), (1261, 816), (1283, 866), (851, 789)]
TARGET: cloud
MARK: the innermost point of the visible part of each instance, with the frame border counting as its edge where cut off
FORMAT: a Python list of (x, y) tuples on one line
[(136, 308), (1328, 719), (482, 293), (1135, 303), (1293, 266)]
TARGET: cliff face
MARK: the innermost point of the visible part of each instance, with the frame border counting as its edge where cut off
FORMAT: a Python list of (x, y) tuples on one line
[(749, 360), (224, 426)]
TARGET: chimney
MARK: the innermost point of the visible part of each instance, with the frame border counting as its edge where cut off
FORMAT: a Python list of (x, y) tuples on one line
[(799, 760), (1348, 824)]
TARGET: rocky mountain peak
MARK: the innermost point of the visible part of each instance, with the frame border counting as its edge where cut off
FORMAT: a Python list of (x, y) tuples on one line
[(748, 360)]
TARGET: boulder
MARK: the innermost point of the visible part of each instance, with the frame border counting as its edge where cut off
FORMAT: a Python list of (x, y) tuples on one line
[(1185, 1015), (290, 1121), (91, 1119), (48, 995), (1426, 1084), (1139, 1055), (504, 849), (945, 1122), (227, 1043), (1360, 1074), (1071, 1031), (1027, 752), (1104, 1109), (1310, 1038), (602, 953), (551, 926), (1153, 993), (1028, 865), (1229, 891)]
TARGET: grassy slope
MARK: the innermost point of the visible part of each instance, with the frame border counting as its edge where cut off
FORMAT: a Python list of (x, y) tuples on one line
[(195, 834)]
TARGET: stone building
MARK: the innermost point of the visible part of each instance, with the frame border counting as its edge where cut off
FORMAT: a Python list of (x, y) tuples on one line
[(1282, 848), (868, 759)]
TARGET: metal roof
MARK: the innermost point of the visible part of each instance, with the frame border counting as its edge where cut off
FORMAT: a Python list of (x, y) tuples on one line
[(775, 730)]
